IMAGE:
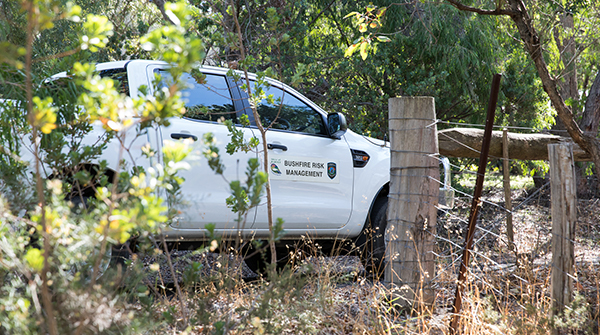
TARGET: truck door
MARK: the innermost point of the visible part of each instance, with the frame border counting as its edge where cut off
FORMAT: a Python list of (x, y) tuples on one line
[(311, 173), (210, 99)]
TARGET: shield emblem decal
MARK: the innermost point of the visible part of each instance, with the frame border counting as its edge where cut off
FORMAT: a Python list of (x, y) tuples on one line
[(275, 169), (331, 170)]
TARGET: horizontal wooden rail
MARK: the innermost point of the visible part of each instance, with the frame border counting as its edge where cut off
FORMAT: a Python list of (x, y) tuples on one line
[(465, 142)]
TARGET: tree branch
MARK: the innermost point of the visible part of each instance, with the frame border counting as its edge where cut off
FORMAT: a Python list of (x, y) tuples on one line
[(497, 11), (320, 13), (531, 39), (57, 56), (161, 6)]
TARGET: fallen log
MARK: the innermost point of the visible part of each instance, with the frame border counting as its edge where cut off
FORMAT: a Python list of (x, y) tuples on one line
[(466, 143)]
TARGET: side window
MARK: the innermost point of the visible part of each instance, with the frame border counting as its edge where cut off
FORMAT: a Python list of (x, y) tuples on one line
[(287, 112), (207, 97), (120, 78)]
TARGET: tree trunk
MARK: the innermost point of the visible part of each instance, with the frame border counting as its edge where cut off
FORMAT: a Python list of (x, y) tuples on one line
[(567, 81), (591, 114), (530, 37)]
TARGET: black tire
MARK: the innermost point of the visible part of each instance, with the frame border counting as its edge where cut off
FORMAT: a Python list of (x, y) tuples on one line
[(371, 243), (81, 204), (257, 260)]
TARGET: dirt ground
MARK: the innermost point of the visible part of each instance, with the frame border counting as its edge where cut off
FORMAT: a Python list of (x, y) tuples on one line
[(507, 282), (522, 277)]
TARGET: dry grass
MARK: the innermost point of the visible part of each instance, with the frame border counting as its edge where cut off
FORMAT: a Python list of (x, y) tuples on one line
[(507, 293)]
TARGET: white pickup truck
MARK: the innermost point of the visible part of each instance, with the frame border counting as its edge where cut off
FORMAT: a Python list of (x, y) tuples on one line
[(328, 183)]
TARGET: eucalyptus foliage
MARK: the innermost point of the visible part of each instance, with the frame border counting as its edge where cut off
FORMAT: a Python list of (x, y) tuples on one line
[(415, 49)]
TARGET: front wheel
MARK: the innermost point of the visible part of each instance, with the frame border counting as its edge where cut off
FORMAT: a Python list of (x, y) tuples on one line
[(371, 243), (82, 204)]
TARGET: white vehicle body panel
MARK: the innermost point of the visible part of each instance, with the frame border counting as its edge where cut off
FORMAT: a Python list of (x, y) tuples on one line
[(327, 206), (325, 203)]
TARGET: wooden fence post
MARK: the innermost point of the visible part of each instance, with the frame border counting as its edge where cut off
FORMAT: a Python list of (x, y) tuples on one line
[(507, 193), (413, 197), (564, 216)]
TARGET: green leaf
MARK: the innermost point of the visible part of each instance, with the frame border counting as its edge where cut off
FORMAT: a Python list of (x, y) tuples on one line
[(364, 50), (278, 231), (35, 259), (97, 29), (351, 49), (351, 14), (10, 54)]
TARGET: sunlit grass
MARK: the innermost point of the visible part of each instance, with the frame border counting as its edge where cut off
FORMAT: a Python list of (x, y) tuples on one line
[(494, 179)]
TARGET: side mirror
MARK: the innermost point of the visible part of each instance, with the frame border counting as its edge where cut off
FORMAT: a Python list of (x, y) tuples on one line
[(336, 123)]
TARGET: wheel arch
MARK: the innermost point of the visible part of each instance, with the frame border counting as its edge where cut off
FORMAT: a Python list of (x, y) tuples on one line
[(382, 193), (370, 243), (88, 189)]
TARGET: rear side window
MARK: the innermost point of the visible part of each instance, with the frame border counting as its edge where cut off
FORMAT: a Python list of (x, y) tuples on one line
[(120, 78), (207, 96)]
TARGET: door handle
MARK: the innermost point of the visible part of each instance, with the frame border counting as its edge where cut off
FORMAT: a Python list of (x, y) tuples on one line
[(272, 146), (178, 136)]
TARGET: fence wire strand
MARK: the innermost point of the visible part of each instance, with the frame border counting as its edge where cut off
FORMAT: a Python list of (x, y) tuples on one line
[(491, 251)]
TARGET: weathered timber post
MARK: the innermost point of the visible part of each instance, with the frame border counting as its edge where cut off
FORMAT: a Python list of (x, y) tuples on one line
[(413, 198), (564, 216), (507, 194)]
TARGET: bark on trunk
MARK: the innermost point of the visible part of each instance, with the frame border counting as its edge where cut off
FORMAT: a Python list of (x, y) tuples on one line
[(530, 37), (567, 81), (591, 114)]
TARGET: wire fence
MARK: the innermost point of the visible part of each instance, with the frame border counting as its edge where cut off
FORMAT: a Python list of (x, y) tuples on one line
[(521, 274)]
